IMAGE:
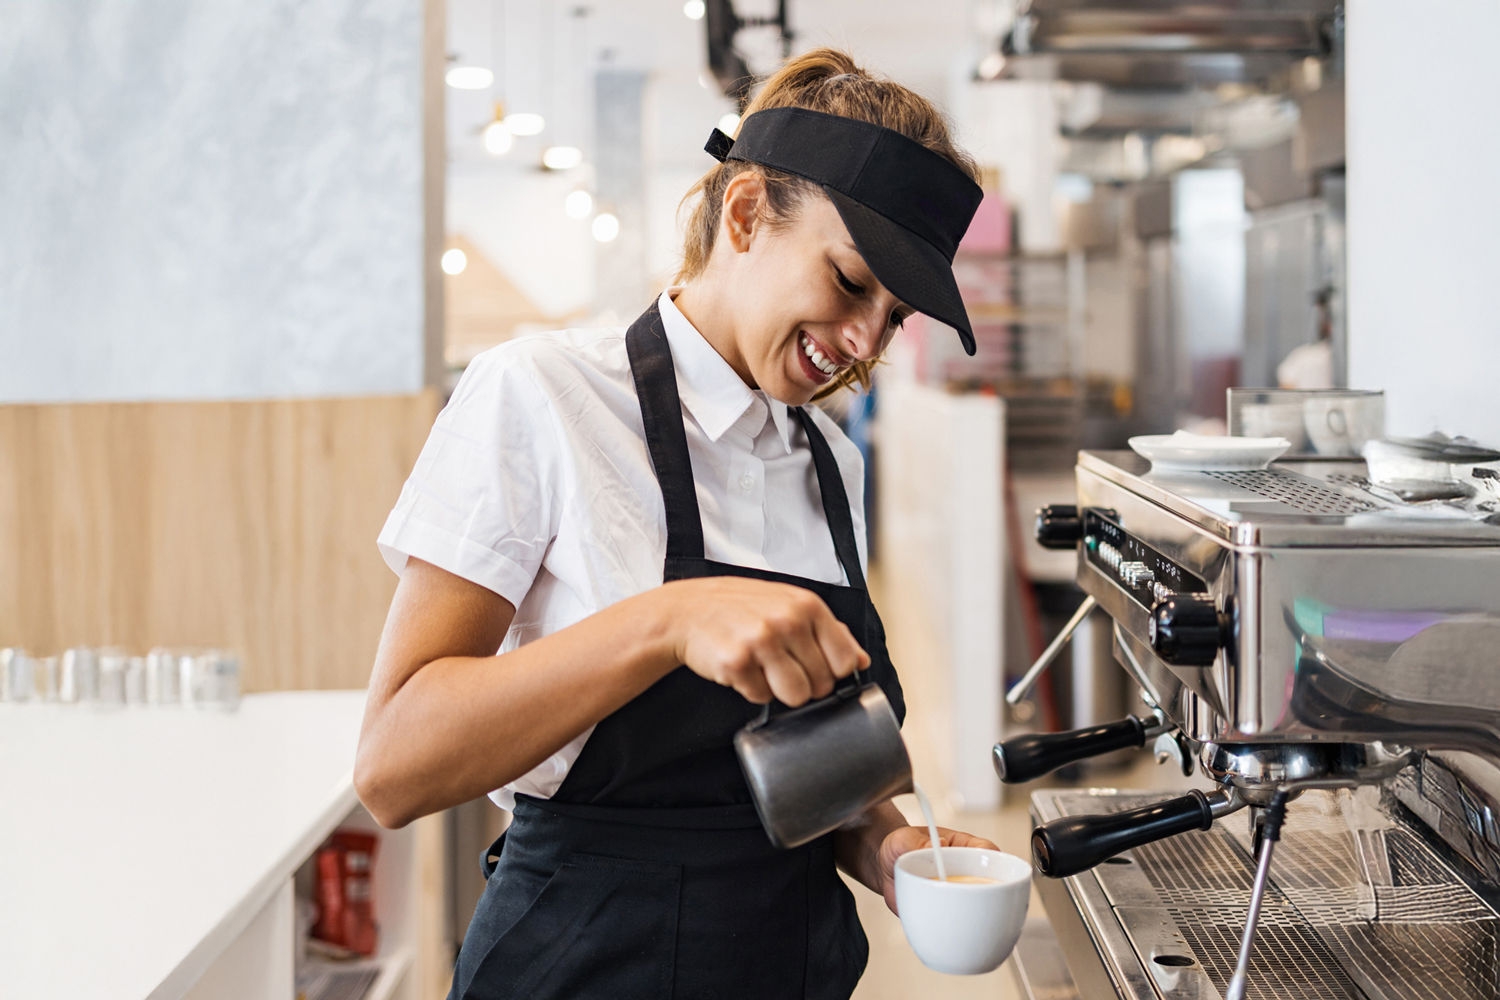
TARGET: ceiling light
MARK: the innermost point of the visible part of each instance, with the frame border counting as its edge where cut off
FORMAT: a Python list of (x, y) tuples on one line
[(469, 78), (694, 10), (525, 123), (578, 204), (561, 157), (606, 227), (729, 123), (454, 261), (497, 139)]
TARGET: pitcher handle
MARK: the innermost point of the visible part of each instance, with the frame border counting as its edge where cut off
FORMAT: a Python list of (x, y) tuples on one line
[(843, 689)]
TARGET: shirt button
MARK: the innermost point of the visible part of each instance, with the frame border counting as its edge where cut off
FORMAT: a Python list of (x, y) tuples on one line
[(747, 482)]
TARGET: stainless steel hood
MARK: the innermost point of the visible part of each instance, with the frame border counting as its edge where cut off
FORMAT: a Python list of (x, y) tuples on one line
[(1166, 43), (1286, 27), (1152, 71)]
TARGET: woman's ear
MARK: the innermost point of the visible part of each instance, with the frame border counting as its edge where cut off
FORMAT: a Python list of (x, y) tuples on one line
[(740, 214)]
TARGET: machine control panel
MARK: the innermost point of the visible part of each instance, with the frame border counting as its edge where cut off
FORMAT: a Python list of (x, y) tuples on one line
[(1143, 572)]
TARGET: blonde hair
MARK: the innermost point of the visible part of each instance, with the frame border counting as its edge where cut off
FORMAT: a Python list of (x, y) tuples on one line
[(829, 81)]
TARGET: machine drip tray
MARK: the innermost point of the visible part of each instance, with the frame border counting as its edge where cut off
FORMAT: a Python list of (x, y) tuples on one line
[(1356, 909)]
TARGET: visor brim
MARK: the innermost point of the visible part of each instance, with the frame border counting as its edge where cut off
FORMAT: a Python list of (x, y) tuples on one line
[(910, 268)]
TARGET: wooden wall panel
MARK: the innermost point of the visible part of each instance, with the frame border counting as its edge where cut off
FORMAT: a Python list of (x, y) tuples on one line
[(248, 525)]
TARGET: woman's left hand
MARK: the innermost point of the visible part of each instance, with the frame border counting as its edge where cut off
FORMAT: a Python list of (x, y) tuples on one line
[(911, 838)]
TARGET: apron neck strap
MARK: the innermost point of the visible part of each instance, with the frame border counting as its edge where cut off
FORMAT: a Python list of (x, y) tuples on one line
[(835, 500), (661, 413)]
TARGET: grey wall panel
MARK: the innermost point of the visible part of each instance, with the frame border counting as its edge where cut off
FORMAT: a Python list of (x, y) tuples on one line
[(1423, 211), (210, 201)]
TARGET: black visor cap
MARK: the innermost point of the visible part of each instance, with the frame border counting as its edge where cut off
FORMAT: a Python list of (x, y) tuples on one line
[(905, 206)]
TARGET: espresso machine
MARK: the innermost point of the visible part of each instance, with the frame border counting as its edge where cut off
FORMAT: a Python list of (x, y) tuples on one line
[(1323, 657)]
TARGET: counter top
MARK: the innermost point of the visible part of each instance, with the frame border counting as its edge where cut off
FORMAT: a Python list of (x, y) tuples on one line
[(136, 843)]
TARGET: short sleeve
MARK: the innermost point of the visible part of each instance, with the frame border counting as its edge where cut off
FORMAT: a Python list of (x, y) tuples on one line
[(481, 501)]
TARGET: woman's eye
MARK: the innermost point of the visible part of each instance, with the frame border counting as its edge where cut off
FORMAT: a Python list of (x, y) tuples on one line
[(897, 320), (846, 284)]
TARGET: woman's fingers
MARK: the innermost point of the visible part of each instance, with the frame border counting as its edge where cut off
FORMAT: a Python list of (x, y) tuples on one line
[(841, 651), (957, 838), (788, 677), (808, 656), (764, 639), (821, 645)]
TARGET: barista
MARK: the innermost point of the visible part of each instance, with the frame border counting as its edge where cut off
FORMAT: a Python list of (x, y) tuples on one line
[(1310, 366), (659, 535)]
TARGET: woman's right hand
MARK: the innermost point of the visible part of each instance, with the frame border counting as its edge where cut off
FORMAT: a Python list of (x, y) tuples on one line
[(763, 639)]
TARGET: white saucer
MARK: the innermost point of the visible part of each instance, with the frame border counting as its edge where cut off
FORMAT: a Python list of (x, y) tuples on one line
[(1184, 452)]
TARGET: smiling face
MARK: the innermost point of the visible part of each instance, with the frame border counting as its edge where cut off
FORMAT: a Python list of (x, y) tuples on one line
[(789, 304)]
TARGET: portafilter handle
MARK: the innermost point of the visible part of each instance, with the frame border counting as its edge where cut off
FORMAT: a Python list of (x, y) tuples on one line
[(1073, 844), (1023, 758)]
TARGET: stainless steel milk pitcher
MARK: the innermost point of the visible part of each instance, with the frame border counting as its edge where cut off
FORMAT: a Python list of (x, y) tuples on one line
[(813, 768)]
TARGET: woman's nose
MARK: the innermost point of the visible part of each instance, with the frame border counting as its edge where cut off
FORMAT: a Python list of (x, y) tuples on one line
[(864, 335)]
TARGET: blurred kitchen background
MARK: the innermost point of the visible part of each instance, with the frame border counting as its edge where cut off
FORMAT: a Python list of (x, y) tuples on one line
[(248, 248)]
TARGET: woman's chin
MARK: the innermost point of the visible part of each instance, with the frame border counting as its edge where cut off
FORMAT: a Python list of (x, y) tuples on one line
[(792, 391)]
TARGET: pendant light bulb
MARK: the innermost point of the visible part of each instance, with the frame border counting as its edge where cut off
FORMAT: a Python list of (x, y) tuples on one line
[(497, 139), (454, 261), (561, 157), (525, 123), (578, 204), (469, 78), (606, 227)]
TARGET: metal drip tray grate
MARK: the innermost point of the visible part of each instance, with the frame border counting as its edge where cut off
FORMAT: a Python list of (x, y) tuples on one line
[(1290, 960), (1432, 936), (1298, 492)]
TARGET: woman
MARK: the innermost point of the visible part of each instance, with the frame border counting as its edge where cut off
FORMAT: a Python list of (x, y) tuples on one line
[(659, 538)]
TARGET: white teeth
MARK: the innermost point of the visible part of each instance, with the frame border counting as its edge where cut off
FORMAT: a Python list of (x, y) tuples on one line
[(816, 356)]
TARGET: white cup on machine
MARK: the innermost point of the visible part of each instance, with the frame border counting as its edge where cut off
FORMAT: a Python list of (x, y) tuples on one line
[(1339, 423)]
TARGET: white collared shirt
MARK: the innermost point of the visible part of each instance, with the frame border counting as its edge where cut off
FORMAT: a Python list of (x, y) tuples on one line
[(535, 483)]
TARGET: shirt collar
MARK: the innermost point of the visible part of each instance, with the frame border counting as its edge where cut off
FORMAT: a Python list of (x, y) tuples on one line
[(710, 388)]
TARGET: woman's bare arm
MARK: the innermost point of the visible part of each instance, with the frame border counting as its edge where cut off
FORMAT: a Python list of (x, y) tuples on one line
[(447, 720)]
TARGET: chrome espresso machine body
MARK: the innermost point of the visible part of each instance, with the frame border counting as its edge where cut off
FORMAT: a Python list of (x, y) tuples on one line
[(1292, 629)]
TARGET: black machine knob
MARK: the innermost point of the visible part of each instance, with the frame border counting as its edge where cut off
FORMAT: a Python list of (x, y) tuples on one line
[(1023, 758), (1188, 630), (1058, 526), (1073, 844)]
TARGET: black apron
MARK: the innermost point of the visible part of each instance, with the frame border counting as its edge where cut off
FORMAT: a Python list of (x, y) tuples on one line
[(648, 873)]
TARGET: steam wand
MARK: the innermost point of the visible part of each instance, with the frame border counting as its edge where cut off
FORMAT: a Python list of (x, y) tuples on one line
[(1270, 832), (1271, 820), (1023, 686)]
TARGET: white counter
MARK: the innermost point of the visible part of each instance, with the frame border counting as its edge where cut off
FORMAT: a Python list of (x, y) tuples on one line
[(139, 845)]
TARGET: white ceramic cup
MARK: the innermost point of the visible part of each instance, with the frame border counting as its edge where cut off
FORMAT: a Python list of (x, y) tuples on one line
[(1341, 424), (962, 928)]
